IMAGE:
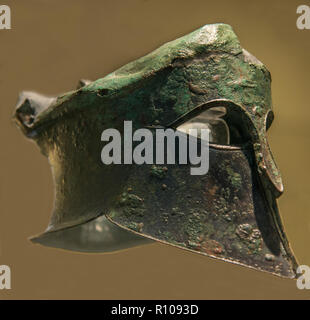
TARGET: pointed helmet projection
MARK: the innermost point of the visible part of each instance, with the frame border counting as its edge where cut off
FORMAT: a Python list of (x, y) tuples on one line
[(202, 80)]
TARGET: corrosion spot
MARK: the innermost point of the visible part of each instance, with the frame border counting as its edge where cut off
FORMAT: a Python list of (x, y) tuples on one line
[(269, 257), (212, 247)]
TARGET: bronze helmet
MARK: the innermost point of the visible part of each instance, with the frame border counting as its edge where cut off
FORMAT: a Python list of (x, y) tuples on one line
[(230, 213)]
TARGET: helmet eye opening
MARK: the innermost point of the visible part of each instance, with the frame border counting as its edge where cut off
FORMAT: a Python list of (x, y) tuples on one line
[(231, 125), (211, 119), (223, 125)]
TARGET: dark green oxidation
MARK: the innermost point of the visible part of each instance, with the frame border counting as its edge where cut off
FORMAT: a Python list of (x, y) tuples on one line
[(212, 214)]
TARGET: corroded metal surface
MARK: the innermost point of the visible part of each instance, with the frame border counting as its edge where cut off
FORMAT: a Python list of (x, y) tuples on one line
[(233, 216), (223, 214)]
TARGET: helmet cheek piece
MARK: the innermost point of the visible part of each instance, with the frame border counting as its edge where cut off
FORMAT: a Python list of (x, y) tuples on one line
[(230, 213)]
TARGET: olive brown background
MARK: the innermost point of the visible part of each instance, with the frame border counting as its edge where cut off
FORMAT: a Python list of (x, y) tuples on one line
[(53, 44)]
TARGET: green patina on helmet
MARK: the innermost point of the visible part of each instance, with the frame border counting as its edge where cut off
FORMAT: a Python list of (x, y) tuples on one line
[(183, 78)]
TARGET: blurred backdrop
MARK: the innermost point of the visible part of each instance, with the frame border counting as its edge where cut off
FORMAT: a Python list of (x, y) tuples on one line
[(53, 44)]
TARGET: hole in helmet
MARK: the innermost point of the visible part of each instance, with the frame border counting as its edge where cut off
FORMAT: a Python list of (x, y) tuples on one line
[(209, 119), (269, 119), (224, 128)]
